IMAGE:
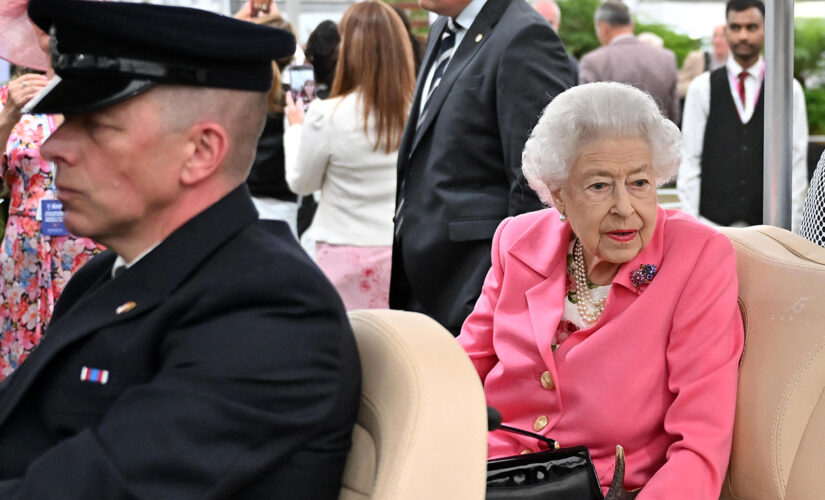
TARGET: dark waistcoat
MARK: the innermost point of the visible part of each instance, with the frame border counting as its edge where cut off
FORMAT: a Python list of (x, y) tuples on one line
[(732, 158)]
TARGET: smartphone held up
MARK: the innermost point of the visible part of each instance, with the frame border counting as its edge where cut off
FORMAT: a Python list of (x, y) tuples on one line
[(302, 83)]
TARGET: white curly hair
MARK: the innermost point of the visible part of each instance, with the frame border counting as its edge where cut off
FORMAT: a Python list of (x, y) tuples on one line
[(592, 111)]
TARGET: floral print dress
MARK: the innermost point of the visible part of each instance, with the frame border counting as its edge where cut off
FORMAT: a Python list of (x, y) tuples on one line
[(35, 267)]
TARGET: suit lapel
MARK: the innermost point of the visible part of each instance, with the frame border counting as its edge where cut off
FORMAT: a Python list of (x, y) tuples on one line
[(474, 38), (405, 148), (543, 248), (139, 290), (90, 276)]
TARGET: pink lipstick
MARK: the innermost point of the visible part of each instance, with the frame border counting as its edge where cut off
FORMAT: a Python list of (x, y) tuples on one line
[(623, 235)]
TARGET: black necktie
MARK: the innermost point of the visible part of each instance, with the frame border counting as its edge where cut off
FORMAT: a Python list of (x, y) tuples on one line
[(445, 53)]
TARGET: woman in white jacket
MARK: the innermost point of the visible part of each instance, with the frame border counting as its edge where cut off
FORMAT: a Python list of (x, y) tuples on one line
[(348, 149)]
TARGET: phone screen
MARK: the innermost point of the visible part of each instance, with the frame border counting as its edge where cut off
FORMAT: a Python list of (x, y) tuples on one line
[(302, 83)]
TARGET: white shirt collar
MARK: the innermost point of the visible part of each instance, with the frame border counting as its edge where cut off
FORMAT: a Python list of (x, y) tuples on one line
[(121, 262), (755, 70), (469, 14)]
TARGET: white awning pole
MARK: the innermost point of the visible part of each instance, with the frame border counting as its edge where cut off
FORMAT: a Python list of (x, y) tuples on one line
[(776, 210)]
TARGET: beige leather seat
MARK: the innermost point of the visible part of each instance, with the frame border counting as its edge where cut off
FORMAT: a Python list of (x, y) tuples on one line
[(422, 426), (779, 434)]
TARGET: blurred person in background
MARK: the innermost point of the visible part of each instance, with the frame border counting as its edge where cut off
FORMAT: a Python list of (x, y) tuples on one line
[(721, 177), (652, 39), (417, 47), (321, 52), (624, 58), (348, 150), (38, 255), (267, 179), (261, 12), (550, 10), (699, 61)]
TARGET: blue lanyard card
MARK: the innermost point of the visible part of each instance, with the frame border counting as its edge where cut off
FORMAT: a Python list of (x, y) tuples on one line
[(52, 223)]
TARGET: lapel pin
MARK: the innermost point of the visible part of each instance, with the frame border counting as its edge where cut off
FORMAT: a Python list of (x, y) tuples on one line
[(94, 375), (479, 37), (123, 308)]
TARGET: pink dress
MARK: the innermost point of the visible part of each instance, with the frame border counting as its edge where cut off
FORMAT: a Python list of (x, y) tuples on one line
[(361, 275), (35, 267)]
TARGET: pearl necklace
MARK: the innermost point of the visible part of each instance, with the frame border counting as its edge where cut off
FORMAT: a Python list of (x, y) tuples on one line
[(590, 310)]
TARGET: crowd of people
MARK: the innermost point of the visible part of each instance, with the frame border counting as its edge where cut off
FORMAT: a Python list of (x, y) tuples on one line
[(196, 203)]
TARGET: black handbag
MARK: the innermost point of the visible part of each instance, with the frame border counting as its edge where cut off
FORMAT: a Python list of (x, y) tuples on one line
[(562, 474), (554, 474)]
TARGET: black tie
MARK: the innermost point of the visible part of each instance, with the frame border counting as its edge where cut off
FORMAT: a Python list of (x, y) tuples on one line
[(445, 53)]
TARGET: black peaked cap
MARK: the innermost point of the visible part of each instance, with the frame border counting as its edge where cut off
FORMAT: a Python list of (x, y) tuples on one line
[(107, 52)]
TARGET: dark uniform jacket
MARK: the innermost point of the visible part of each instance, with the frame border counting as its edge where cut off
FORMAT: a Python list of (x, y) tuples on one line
[(460, 168), (230, 372)]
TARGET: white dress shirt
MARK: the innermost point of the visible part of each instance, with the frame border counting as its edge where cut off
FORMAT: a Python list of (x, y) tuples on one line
[(357, 181), (121, 262), (465, 20), (697, 108)]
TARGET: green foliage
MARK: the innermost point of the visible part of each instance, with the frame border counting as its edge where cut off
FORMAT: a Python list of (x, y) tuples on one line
[(809, 49), (815, 102), (577, 31), (809, 68), (680, 44)]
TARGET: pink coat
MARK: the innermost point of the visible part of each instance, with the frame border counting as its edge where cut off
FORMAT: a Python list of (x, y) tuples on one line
[(656, 374)]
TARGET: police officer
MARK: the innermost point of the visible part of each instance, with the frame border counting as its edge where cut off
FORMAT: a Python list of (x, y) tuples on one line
[(203, 355)]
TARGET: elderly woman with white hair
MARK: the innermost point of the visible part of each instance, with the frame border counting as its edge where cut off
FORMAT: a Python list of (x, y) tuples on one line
[(606, 319)]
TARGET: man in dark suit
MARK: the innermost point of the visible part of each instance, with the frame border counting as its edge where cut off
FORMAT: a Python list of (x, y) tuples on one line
[(489, 70), (203, 355)]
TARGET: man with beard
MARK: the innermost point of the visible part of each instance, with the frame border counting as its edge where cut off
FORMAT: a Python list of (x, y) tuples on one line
[(720, 177)]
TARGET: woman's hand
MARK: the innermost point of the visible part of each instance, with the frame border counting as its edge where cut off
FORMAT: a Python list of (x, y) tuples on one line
[(294, 112), (21, 91), (254, 8)]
